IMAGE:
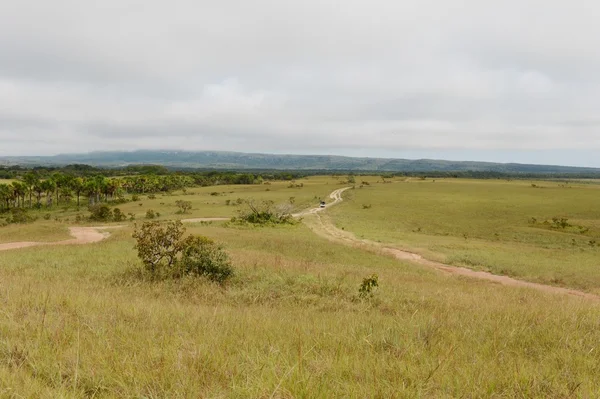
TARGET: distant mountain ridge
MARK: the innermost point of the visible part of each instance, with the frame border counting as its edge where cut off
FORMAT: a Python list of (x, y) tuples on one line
[(256, 161)]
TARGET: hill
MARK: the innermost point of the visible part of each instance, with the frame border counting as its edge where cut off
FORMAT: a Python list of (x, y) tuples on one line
[(249, 161)]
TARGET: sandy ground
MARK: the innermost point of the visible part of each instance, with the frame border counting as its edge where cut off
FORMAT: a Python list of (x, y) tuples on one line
[(81, 235), (197, 220)]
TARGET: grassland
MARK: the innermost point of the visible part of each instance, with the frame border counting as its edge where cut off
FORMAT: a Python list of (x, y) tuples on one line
[(290, 324), (486, 225)]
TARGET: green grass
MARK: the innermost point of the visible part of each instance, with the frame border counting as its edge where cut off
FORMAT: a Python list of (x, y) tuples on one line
[(485, 225), (212, 201), (45, 231), (290, 324)]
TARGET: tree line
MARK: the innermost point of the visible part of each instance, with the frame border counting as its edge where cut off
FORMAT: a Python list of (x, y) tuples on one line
[(37, 188)]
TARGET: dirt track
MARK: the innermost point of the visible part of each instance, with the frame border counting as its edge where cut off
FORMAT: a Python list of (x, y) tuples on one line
[(81, 235), (326, 229)]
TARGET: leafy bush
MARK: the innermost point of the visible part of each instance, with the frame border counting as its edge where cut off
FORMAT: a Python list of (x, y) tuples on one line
[(118, 215), (560, 223), (184, 206), (265, 214), (368, 285), (165, 253), (20, 216), (100, 212), (135, 197), (150, 214), (203, 257)]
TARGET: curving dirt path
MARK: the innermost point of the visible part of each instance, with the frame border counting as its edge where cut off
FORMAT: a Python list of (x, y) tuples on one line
[(197, 220), (326, 229), (81, 235)]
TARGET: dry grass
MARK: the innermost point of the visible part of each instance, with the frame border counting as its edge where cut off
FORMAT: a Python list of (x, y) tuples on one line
[(290, 324), (485, 225)]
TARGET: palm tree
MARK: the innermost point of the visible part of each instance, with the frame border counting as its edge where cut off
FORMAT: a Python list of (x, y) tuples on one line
[(5, 195), (49, 186), (30, 180), (19, 190), (78, 185)]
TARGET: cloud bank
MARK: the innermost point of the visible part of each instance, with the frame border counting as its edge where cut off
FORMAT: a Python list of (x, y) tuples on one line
[(317, 76)]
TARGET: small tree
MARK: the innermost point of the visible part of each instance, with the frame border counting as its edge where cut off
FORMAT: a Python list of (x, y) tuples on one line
[(150, 214), (165, 253), (159, 246), (100, 212), (118, 215), (184, 206)]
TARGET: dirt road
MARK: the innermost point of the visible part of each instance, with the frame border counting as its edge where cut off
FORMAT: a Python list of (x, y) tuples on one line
[(81, 235), (326, 229)]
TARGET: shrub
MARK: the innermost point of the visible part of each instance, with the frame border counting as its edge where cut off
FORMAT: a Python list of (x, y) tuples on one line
[(151, 196), (20, 216), (47, 216), (165, 253), (203, 257), (118, 215), (135, 197), (560, 223), (184, 206), (150, 214), (368, 285), (100, 212), (265, 214)]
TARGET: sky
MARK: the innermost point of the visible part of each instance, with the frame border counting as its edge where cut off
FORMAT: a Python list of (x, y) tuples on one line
[(509, 81)]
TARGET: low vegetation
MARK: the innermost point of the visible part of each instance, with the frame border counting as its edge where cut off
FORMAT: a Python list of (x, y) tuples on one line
[(157, 310), (166, 253), (265, 213)]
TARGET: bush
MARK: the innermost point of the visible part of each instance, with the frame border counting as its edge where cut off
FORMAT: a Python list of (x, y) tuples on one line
[(47, 216), (20, 216), (184, 206), (265, 214), (150, 214), (100, 212), (203, 257), (135, 197), (368, 285), (118, 215), (166, 254), (151, 196)]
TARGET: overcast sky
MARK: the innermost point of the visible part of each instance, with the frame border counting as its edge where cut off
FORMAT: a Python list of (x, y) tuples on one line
[(512, 80)]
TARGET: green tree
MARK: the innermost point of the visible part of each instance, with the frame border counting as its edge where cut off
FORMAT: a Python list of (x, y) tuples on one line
[(30, 179), (184, 206)]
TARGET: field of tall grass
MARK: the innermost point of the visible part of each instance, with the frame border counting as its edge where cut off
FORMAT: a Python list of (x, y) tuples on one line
[(290, 323)]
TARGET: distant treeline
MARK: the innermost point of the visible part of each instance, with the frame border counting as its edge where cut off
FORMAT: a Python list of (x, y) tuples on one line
[(46, 187), (207, 177)]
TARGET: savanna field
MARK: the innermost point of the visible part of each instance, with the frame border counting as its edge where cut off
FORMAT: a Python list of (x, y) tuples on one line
[(75, 322)]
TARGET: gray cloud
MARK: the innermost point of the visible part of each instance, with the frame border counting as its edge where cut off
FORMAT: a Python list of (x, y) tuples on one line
[(313, 76)]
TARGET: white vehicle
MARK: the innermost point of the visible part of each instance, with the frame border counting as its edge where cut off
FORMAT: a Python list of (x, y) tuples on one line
[(322, 205)]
